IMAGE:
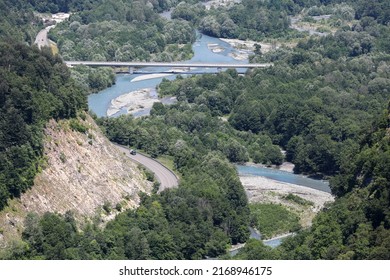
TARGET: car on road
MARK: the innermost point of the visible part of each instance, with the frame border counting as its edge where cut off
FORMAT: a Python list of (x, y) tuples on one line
[(133, 152)]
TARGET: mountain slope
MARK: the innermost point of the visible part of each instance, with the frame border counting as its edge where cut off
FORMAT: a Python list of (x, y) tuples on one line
[(84, 172)]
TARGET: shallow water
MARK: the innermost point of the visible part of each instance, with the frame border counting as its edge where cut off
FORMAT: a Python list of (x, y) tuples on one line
[(284, 176), (100, 101)]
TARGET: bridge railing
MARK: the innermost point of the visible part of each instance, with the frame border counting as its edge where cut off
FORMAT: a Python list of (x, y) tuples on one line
[(168, 64)]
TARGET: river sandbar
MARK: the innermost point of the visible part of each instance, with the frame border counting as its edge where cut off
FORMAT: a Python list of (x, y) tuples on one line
[(215, 48), (249, 45), (150, 76), (133, 102), (263, 190)]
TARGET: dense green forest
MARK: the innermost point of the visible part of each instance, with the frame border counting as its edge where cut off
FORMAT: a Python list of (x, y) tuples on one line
[(316, 111), (196, 126), (17, 23), (324, 101), (247, 20), (93, 79), (263, 20), (123, 30), (87, 5), (357, 225), (34, 87)]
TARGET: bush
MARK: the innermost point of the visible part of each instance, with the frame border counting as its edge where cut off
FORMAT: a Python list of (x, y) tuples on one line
[(297, 199), (76, 125), (107, 207), (273, 219)]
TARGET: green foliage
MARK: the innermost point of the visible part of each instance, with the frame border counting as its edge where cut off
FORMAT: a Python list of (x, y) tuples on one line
[(357, 225), (93, 79), (34, 87), (18, 22), (188, 12), (315, 112), (297, 199), (263, 151), (76, 125), (149, 175), (118, 207), (256, 250), (318, 102), (122, 31), (273, 219), (49, 236), (56, 6), (62, 157), (107, 207), (248, 19)]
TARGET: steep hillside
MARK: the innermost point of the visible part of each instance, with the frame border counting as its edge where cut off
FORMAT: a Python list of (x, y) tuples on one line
[(83, 172)]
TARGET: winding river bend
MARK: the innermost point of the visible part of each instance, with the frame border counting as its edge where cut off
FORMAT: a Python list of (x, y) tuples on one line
[(204, 51)]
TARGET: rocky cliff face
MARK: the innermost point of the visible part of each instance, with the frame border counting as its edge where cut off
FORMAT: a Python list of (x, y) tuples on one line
[(83, 172)]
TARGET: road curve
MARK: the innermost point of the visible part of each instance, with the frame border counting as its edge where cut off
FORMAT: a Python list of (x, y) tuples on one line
[(165, 176), (41, 40)]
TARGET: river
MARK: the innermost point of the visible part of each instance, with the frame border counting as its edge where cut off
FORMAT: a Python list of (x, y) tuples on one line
[(100, 102), (284, 176)]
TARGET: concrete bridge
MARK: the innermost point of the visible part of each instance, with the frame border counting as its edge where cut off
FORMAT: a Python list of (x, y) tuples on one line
[(188, 65)]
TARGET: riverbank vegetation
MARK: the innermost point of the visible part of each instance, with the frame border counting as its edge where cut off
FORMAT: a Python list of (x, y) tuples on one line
[(324, 102), (356, 225), (273, 219), (123, 31), (194, 128), (93, 79)]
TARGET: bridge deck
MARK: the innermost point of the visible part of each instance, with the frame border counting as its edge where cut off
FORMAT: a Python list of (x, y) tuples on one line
[(168, 64)]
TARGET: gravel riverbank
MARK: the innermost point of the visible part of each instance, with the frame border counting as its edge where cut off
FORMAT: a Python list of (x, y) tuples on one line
[(133, 101), (263, 190)]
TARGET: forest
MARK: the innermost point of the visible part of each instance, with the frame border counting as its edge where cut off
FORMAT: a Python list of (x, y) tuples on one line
[(35, 86), (356, 226), (123, 31), (325, 102)]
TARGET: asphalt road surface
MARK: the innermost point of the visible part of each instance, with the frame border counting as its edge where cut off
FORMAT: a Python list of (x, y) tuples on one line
[(165, 176), (41, 39)]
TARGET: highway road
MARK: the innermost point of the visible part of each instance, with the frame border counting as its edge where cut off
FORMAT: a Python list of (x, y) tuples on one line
[(164, 175), (41, 40)]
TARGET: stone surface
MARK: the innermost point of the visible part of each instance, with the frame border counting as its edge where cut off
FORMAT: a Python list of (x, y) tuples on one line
[(83, 172)]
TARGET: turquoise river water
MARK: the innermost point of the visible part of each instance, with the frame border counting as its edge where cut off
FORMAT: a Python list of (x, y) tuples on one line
[(100, 102)]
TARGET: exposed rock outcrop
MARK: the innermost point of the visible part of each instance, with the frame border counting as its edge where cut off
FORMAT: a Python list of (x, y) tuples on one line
[(83, 172)]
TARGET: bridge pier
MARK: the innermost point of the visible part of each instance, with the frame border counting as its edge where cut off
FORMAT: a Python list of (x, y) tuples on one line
[(131, 70)]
